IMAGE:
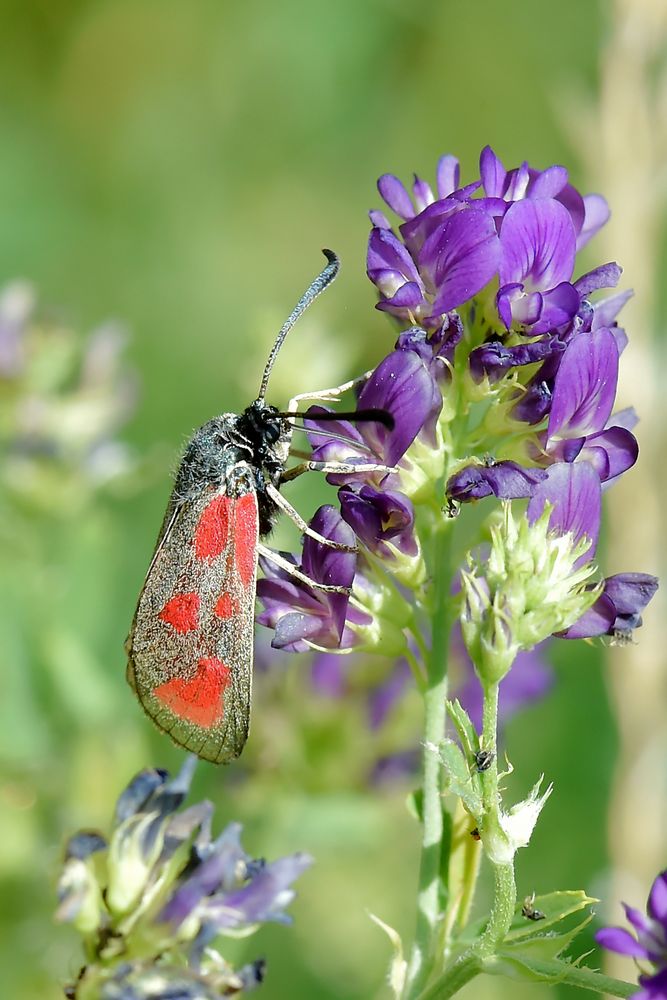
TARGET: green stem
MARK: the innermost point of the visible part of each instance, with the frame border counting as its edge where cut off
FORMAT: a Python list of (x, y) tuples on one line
[(429, 901), (454, 979)]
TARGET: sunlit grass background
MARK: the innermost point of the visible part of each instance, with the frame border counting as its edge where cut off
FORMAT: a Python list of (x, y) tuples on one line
[(176, 165)]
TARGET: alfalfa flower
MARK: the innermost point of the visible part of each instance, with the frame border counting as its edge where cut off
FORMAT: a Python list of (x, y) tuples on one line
[(150, 900)]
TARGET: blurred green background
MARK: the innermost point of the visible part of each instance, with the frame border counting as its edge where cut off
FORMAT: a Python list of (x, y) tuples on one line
[(176, 165)]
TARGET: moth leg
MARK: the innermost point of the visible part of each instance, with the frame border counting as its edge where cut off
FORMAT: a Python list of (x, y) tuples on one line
[(322, 395), (333, 468), (290, 568), (294, 515)]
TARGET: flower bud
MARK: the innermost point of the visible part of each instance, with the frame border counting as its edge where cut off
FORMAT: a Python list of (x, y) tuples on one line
[(515, 827)]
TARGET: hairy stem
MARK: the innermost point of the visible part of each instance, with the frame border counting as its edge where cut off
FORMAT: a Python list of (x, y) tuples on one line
[(429, 900)]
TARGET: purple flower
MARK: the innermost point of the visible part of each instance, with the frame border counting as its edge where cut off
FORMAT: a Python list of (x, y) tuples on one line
[(493, 359), (397, 198), (583, 397), (588, 214), (206, 888), (446, 253), (436, 348), (505, 480), (575, 496), (617, 611), (538, 247), (575, 493), (302, 615), (382, 519), (401, 385), (648, 943)]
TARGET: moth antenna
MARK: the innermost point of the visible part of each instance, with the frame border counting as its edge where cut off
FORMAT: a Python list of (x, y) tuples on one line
[(324, 278), (373, 415)]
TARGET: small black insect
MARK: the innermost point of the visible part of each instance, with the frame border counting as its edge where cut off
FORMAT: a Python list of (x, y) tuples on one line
[(529, 910), (451, 508), (483, 760), (475, 834)]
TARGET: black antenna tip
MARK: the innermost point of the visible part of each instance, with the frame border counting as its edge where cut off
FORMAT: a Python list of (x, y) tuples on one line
[(332, 257)]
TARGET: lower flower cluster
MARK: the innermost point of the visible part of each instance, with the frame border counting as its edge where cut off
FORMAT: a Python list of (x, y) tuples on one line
[(150, 900)]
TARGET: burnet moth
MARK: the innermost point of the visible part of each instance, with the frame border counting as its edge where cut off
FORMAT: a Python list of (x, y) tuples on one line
[(190, 646)]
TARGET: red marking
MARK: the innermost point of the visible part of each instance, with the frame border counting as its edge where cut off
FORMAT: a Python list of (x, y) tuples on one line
[(212, 531), (182, 612), (199, 700), (245, 536), (226, 606)]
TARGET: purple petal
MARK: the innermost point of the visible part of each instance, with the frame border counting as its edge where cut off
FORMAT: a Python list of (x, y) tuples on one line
[(416, 231), (422, 194), (574, 203), (537, 241), (606, 310), (263, 898), (348, 437), (403, 387), (461, 258), (619, 940), (611, 452), (596, 215), (322, 563), (631, 592), (492, 172), (408, 297), (300, 613), (548, 183), (534, 405), (585, 386), (294, 629), (494, 359), (516, 184), (378, 219), (220, 869), (598, 620), (505, 480), (641, 924), (576, 496), (387, 253), (394, 193), (139, 793), (604, 276), (655, 987), (559, 305), (379, 516), (627, 418), (447, 175)]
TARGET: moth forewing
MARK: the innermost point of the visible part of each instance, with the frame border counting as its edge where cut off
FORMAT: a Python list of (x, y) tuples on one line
[(190, 647)]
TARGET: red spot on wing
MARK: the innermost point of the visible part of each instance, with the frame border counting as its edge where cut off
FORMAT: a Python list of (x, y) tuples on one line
[(182, 612), (212, 531), (246, 526), (199, 700), (225, 606)]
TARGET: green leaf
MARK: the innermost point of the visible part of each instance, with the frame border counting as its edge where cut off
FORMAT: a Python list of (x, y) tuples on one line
[(555, 906), (464, 727), (545, 945), (459, 778), (557, 970)]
